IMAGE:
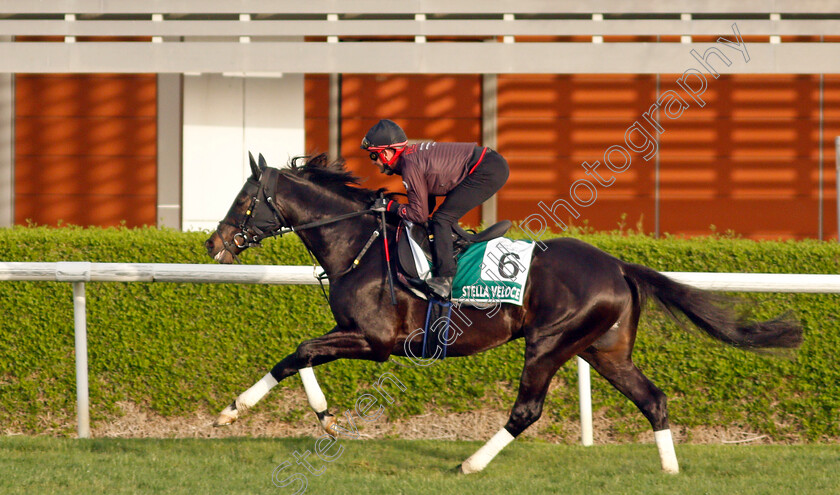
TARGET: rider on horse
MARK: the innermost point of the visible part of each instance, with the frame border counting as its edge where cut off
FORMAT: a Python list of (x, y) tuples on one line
[(466, 174)]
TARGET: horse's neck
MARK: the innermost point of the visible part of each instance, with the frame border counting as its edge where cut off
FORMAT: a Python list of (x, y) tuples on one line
[(334, 245)]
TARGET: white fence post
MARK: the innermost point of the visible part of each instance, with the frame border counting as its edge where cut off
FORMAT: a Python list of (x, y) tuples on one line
[(585, 390), (80, 328)]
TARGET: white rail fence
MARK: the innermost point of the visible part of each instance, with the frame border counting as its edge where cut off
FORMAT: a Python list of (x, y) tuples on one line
[(78, 273)]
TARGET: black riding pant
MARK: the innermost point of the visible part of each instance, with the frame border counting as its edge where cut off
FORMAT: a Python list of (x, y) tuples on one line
[(488, 177)]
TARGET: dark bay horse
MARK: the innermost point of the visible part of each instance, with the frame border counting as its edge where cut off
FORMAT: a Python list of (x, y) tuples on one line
[(578, 300)]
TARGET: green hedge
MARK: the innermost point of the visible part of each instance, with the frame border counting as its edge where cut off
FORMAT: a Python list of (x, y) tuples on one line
[(180, 348)]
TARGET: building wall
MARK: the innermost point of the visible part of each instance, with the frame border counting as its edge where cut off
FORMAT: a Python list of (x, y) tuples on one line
[(748, 161), (317, 113), (549, 124), (831, 131), (85, 149), (224, 119)]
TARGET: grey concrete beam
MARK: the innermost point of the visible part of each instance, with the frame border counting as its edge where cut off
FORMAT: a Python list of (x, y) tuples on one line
[(489, 135), (410, 58), (431, 27), (412, 6), (169, 139), (7, 150)]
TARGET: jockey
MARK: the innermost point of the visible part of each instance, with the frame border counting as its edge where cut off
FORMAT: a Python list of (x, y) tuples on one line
[(465, 173)]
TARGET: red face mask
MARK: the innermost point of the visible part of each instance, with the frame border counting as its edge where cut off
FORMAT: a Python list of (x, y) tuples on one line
[(377, 154)]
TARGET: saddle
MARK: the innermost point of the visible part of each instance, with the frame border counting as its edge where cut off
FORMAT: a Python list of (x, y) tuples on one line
[(415, 255)]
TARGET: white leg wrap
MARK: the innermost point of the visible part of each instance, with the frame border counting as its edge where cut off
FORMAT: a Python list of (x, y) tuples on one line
[(487, 452), (253, 395), (317, 401), (665, 444)]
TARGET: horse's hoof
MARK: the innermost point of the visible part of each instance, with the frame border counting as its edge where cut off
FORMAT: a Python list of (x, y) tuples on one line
[(330, 424), (224, 420), (227, 416)]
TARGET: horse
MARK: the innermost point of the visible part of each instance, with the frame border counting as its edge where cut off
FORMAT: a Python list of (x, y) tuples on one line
[(578, 301)]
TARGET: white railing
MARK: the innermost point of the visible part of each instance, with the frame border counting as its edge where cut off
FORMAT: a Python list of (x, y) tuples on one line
[(83, 271), (78, 273)]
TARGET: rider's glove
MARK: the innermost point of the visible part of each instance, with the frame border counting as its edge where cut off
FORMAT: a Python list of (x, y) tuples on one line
[(385, 204), (381, 204)]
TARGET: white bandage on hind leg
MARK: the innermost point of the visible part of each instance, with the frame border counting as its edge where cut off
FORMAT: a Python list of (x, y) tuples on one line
[(257, 392), (487, 452), (317, 401), (665, 444)]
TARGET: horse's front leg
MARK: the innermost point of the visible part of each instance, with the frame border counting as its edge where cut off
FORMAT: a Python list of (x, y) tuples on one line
[(338, 344), (248, 398)]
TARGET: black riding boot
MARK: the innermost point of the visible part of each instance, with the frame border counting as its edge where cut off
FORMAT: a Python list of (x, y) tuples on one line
[(443, 259)]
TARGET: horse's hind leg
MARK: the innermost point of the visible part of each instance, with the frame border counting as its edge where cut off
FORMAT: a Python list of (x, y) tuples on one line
[(543, 357), (610, 356)]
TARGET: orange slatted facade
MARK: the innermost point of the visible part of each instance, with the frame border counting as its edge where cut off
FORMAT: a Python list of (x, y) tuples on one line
[(747, 161), (831, 130), (316, 118), (85, 146), (549, 124)]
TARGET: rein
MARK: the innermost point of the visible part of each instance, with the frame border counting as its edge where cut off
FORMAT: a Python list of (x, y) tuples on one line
[(252, 235)]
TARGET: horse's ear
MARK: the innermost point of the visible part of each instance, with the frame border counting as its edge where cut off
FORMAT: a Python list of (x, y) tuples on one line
[(255, 171), (263, 164)]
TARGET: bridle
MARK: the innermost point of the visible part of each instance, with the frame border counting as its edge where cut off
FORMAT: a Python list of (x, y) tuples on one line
[(249, 234), (263, 222), (272, 223)]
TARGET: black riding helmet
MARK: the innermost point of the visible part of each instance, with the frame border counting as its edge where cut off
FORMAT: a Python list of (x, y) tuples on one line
[(385, 134)]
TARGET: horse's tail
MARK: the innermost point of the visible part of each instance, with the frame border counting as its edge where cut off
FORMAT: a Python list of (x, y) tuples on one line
[(710, 313)]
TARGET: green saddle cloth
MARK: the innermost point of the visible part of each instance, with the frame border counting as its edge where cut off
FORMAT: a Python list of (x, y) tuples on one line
[(494, 271)]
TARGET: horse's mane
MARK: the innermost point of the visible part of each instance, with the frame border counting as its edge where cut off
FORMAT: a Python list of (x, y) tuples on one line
[(332, 175)]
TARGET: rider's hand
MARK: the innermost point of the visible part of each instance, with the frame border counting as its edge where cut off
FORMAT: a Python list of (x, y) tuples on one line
[(385, 204), (381, 204)]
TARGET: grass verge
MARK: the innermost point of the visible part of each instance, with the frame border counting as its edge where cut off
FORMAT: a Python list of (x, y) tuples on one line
[(241, 465)]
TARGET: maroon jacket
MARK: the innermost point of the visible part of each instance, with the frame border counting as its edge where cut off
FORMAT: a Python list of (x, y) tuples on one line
[(430, 169)]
